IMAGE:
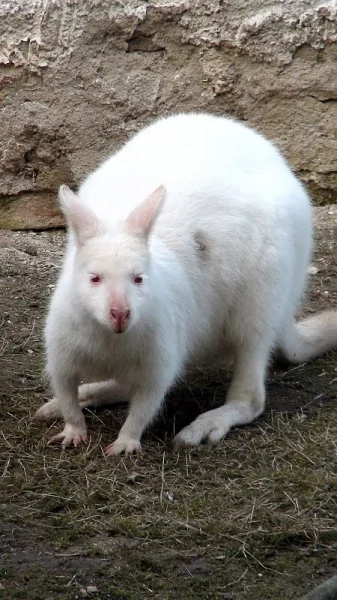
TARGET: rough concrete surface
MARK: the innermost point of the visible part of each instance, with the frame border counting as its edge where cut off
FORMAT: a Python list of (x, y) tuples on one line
[(78, 78)]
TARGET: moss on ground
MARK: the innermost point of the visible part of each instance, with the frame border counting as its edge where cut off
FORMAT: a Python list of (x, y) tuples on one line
[(249, 514), (254, 518)]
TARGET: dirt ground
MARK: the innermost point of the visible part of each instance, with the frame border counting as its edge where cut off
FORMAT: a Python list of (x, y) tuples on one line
[(254, 518)]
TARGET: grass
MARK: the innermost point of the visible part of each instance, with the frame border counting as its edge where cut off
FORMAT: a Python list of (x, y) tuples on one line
[(252, 519), (264, 500)]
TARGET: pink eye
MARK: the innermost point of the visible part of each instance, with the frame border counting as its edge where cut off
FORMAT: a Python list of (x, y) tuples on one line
[(138, 279), (95, 278)]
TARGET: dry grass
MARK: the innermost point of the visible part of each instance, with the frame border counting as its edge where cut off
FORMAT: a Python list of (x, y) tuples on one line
[(261, 502), (274, 480), (254, 518)]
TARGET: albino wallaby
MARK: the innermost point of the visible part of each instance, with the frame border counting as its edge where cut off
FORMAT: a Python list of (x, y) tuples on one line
[(190, 244)]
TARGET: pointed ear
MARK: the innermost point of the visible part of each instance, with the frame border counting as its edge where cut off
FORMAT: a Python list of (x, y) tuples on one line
[(79, 217), (143, 217)]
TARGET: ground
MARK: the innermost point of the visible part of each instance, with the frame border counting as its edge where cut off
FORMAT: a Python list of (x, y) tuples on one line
[(254, 518)]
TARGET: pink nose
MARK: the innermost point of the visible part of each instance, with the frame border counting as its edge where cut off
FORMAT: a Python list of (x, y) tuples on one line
[(120, 319)]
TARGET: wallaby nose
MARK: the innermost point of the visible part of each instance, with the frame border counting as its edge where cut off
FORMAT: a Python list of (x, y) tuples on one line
[(120, 319)]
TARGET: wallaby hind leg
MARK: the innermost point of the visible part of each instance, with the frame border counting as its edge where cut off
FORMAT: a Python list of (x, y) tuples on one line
[(93, 395), (90, 395), (244, 402)]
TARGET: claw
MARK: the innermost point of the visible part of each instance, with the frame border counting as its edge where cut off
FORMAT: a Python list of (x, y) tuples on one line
[(70, 436), (211, 427), (123, 446)]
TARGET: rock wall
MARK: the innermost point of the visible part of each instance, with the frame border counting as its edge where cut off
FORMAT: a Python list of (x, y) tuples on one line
[(79, 77)]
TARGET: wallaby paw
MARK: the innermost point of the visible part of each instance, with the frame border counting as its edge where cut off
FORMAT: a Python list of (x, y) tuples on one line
[(123, 445), (70, 436), (49, 411), (211, 426)]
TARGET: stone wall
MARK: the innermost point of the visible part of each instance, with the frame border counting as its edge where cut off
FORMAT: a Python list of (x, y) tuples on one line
[(79, 77)]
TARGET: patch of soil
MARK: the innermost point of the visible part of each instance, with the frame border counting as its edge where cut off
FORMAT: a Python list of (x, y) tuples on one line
[(252, 518)]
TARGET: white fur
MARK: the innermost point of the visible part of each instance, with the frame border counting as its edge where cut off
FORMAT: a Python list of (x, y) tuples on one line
[(224, 267)]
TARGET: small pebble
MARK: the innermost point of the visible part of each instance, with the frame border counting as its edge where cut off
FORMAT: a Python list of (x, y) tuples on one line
[(312, 270), (31, 250), (92, 589)]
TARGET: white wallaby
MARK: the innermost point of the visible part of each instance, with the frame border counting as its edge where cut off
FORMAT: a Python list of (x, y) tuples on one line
[(188, 245)]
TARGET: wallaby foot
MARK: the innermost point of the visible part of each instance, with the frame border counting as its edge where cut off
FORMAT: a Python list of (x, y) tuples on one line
[(70, 436), (123, 445), (245, 401), (90, 395)]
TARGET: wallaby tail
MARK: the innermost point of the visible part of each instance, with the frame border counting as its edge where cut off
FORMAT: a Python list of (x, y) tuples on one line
[(310, 338)]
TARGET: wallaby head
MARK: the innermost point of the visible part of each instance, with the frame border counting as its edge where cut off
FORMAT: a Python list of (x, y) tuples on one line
[(112, 266)]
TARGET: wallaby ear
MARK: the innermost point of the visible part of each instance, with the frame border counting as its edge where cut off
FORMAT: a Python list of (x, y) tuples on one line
[(79, 217), (141, 220)]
